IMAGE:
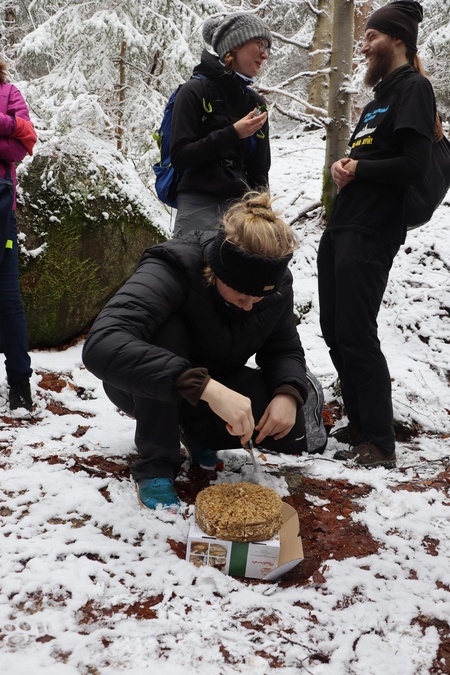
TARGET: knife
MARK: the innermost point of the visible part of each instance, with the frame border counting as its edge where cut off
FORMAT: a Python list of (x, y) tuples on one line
[(250, 449)]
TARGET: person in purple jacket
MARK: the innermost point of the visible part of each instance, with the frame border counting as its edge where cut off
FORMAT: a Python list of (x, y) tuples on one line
[(17, 138)]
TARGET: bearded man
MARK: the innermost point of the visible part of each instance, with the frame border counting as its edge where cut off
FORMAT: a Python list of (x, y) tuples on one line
[(389, 148)]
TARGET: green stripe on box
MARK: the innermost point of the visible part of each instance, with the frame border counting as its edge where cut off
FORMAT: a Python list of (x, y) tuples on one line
[(238, 559)]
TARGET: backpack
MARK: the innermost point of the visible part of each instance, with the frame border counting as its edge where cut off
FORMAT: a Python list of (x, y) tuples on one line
[(167, 178), (315, 416), (423, 198)]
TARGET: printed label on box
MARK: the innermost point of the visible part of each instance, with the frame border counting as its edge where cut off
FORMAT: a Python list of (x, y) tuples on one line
[(239, 559), (211, 553), (261, 560)]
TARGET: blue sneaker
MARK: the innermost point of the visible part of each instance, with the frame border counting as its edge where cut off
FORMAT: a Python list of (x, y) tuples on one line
[(200, 456), (158, 492), (206, 459)]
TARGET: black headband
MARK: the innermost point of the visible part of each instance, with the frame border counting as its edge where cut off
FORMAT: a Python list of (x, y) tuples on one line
[(246, 272)]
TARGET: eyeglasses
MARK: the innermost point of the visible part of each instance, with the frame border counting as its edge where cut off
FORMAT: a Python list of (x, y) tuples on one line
[(263, 45)]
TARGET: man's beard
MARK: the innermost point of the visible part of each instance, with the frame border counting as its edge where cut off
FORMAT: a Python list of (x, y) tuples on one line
[(379, 66)]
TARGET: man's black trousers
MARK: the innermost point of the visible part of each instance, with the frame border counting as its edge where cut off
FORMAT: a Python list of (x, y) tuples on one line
[(353, 270)]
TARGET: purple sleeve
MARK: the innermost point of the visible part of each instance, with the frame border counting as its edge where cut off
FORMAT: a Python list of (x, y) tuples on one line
[(12, 103), (11, 150), (17, 105), (7, 125)]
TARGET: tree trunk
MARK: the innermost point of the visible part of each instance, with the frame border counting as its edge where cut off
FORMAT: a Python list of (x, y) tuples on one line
[(339, 102), (362, 12), (122, 85), (10, 23), (320, 56)]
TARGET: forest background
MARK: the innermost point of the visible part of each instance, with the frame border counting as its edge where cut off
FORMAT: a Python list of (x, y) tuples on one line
[(106, 68), (97, 75)]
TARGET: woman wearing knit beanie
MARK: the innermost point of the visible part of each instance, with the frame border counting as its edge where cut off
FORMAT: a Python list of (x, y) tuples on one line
[(217, 142)]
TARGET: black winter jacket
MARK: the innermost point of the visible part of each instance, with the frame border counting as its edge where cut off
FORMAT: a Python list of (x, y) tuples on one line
[(169, 280), (204, 140)]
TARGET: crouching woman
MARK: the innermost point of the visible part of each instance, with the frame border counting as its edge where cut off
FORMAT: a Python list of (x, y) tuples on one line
[(172, 347)]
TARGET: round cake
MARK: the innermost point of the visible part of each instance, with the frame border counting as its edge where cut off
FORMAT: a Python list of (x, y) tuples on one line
[(238, 512)]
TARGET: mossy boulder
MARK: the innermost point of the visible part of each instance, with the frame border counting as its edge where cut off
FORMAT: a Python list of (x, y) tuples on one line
[(83, 221)]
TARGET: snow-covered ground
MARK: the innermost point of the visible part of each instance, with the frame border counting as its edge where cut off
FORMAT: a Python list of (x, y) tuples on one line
[(91, 583)]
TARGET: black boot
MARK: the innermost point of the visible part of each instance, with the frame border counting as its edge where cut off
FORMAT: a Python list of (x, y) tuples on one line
[(20, 396)]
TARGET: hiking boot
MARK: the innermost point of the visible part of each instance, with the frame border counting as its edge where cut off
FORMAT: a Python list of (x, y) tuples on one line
[(368, 455), (20, 396), (206, 459), (158, 493), (348, 434)]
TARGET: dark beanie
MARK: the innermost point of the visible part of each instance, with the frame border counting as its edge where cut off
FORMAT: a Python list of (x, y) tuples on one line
[(225, 34), (399, 19), (246, 272)]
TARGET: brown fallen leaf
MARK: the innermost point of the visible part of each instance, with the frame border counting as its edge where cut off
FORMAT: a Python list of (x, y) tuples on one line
[(318, 577)]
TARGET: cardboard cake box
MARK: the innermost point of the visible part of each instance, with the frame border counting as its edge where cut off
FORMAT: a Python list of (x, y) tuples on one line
[(267, 560)]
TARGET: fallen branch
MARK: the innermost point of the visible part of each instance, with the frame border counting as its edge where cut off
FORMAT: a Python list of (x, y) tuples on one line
[(301, 117), (311, 207)]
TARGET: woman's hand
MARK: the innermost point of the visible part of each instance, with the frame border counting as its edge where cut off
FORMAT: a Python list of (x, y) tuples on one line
[(247, 126), (278, 418), (234, 408)]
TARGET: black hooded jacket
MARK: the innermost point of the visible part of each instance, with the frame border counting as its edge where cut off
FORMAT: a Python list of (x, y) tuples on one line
[(204, 141), (169, 280)]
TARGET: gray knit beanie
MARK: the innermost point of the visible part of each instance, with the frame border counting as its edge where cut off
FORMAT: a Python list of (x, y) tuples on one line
[(224, 34)]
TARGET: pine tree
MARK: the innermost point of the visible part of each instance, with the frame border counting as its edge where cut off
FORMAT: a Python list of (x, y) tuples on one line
[(107, 67)]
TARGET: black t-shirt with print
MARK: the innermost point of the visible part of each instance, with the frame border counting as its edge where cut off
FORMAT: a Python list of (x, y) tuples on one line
[(392, 140)]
